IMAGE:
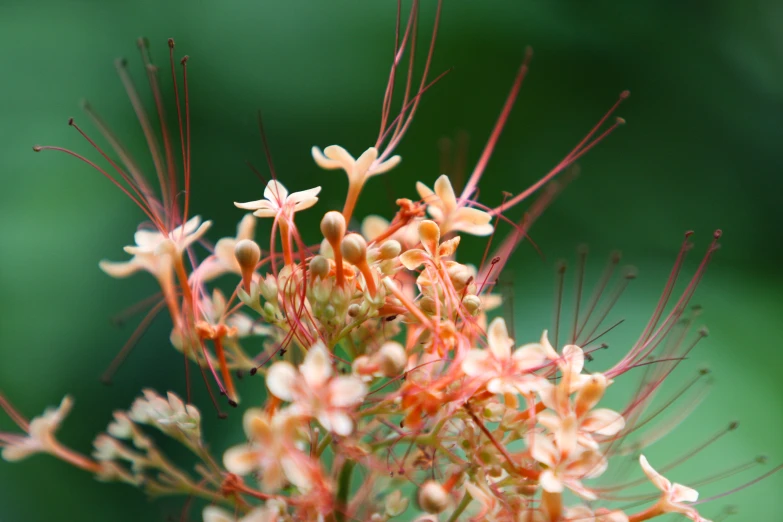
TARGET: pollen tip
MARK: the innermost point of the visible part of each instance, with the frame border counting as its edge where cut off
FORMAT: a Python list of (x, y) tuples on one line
[(171, 43), (143, 42), (222, 416), (761, 459), (37, 148), (184, 60), (70, 122), (560, 267), (733, 425), (717, 234), (121, 62), (253, 371), (630, 272), (704, 371), (232, 403), (688, 234), (620, 121), (704, 331), (616, 256), (625, 94)]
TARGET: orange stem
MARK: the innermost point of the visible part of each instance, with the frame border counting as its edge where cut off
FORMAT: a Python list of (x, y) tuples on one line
[(224, 371)]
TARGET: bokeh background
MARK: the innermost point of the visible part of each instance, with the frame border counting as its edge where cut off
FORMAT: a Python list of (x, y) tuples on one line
[(701, 150)]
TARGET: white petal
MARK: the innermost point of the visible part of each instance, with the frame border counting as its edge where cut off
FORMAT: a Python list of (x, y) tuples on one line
[(253, 205), (364, 162), (474, 363), (603, 421), (386, 166), (680, 493), (529, 357), (297, 475), (324, 162), (304, 195), (445, 192), (499, 342), (317, 366), (347, 391), (373, 226), (275, 191), (241, 460), (305, 204), (575, 359), (425, 193), (272, 478), (473, 230), (121, 269), (281, 379), (656, 478), (543, 450), (413, 259), (549, 482), (216, 514), (341, 156), (338, 422), (246, 227)]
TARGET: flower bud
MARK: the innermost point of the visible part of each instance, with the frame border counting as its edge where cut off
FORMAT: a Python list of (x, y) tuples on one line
[(433, 498), (247, 253), (389, 249), (268, 288), (354, 310), (333, 226), (319, 267), (427, 304), (472, 304), (354, 249), (392, 359)]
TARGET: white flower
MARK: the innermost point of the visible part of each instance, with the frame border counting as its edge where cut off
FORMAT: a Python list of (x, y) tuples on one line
[(358, 170), (442, 205), (40, 434), (223, 260), (270, 512), (673, 494), (271, 450), (314, 392), (566, 463), (505, 372), (585, 514), (171, 415), (277, 200), (154, 251)]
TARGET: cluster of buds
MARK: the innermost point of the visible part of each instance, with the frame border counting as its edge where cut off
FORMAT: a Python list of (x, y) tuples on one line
[(388, 388)]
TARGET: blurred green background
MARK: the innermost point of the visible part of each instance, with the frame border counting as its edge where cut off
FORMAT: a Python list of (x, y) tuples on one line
[(701, 150)]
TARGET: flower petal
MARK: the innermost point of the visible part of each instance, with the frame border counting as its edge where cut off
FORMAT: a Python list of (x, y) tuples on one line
[(499, 342), (474, 363), (346, 391), (275, 192), (680, 493), (317, 366), (386, 166), (363, 163), (412, 259), (304, 195), (656, 478), (281, 380), (429, 235), (341, 156), (445, 192), (549, 482), (121, 269), (216, 514), (241, 460), (603, 422)]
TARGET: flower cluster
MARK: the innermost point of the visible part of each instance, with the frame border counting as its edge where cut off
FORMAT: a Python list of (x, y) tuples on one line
[(385, 380)]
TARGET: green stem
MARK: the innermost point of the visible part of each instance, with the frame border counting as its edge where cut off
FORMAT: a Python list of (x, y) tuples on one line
[(463, 504), (344, 489)]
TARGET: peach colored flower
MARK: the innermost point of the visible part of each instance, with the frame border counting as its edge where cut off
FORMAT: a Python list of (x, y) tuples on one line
[(40, 434), (673, 494), (277, 200), (442, 205), (359, 169), (314, 392)]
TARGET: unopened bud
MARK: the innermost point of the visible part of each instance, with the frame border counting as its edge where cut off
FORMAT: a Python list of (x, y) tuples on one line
[(354, 310), (432, 497), (472, 304), (248, 253), (319, 266), (333, 226), (268, 288), (389, 249), (427, 304), (354, 249), (392, 359)]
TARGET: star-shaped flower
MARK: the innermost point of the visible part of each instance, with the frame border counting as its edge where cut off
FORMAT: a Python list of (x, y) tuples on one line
[(154, 252), (442, 205), (673, 494), (359, 169), (277, 201), (504, 371), (314, 392), (40, 434)]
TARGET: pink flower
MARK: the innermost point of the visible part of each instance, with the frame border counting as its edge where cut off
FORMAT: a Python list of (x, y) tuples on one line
[(314, 392), (443, 207), (505, 372), (673, 494), (277, 200)]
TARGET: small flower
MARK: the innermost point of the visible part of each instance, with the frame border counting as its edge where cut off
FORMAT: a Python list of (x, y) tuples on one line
[(673, 494), (277, 201), (314, 392), (358, 170), (585, 514), (154, 251), (442, 205), (171, 415), (505, 372), (566, 463), (271, 512), (40, 434), (429, 234), (271, 450)]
